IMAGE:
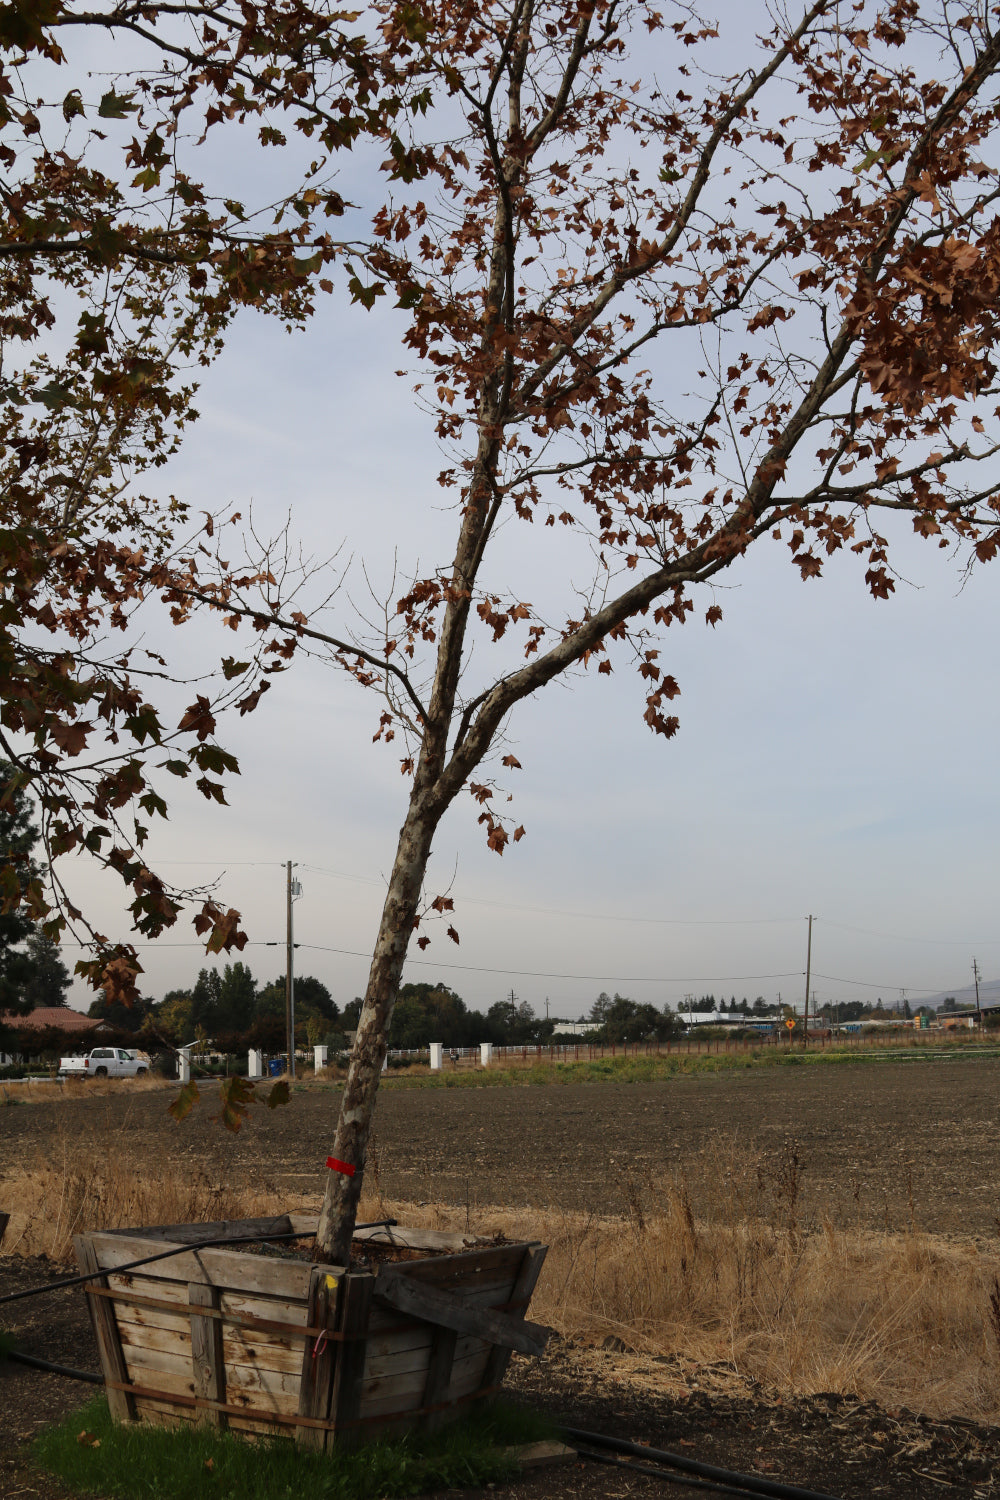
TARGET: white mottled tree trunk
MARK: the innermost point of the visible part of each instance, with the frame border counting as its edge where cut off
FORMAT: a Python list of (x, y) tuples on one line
[(350, 1144)]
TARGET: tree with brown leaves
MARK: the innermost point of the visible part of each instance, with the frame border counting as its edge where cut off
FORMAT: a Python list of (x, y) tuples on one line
[(120, 273), (813, 242), (668, 314)]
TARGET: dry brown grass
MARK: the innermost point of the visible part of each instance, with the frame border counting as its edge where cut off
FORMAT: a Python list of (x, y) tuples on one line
[(906, 1319), (94, 1186), (44, 1091)]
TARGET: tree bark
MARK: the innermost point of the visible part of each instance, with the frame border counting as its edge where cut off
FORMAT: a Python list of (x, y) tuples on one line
[(357, 1107)]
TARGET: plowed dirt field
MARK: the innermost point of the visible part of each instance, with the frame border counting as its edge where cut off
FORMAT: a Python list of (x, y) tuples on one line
[(886, 1145)]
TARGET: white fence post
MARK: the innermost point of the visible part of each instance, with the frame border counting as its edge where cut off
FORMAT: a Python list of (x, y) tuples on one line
[(437, 1048), (485, 1053)]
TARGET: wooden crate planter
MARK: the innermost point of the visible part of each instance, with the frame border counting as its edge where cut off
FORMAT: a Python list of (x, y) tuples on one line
[(260, 1343)]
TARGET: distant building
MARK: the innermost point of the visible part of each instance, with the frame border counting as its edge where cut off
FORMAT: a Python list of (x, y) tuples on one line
[(45, 1018), (725, 1018)]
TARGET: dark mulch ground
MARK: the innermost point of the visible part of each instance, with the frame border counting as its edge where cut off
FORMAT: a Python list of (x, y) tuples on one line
[(830, 1443)]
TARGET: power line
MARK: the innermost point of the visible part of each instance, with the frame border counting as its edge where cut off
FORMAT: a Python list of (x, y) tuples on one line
[(866, 984), (222, 864), (895, 937), (426, 963), (584, 916), (250, 943)]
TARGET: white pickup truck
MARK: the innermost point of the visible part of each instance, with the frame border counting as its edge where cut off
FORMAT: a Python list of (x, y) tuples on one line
[(105, 1062)]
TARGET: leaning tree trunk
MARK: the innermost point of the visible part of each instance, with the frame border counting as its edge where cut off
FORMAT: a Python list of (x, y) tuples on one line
[(357, 1106), (434, 786)]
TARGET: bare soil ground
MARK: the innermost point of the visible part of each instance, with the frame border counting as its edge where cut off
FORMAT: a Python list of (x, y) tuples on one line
[(886, 1146), (883, 1145)]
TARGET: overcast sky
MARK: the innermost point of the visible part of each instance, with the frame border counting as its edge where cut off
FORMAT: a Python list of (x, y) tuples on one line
[(835, 756)]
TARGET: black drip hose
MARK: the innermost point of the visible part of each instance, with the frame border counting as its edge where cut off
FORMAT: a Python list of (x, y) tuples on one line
[(747, 1483), (46, 1364), (653, 1472)]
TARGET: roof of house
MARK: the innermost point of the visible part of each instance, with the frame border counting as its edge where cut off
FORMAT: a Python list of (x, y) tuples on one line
[(62, 1017)]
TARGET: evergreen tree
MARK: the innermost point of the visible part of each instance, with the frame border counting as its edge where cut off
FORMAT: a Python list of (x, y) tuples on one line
[(205, 1002), (18, 836), (47, 976), (314, 994), (237, 1000), (601, 1006), (313, 1004), (116, 1013)]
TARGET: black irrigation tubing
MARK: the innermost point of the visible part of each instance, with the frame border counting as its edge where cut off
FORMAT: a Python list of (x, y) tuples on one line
[(745, 1483), (145, 1260), (36, 1363), (652, 1472)]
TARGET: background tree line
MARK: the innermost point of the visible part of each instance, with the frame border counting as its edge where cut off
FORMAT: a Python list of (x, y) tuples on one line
[(32, 972)]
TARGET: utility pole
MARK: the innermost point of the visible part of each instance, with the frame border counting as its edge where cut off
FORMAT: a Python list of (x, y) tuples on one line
[(292, 889), (805, 1014), (975, 975)]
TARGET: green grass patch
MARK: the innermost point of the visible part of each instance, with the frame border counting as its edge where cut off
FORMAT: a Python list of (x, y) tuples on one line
[(650, 1068), (92, 1454)]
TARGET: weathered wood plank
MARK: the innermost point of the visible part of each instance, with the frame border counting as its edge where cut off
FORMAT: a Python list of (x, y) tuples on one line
[(242, 1347), (304, 1224), (415, 1381), (164, 1383), (409, 1398), (260, 1338), (318, 1357), (132, 1321), (142, 1362), (149, 1286), (354, 1309), (158, 1415), (231, 1270), (267, 1309), (418, 1239), (406, 1361), (207, 1360), (494, 1264), (392, 1342), (159, 1349), (120, 1404), (196, 1234), (162, 1414), (450, 1309), (174, 1341), (386, 1320), (278, 1386), (250, 1391), (438, 1378), (524, 1285)]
